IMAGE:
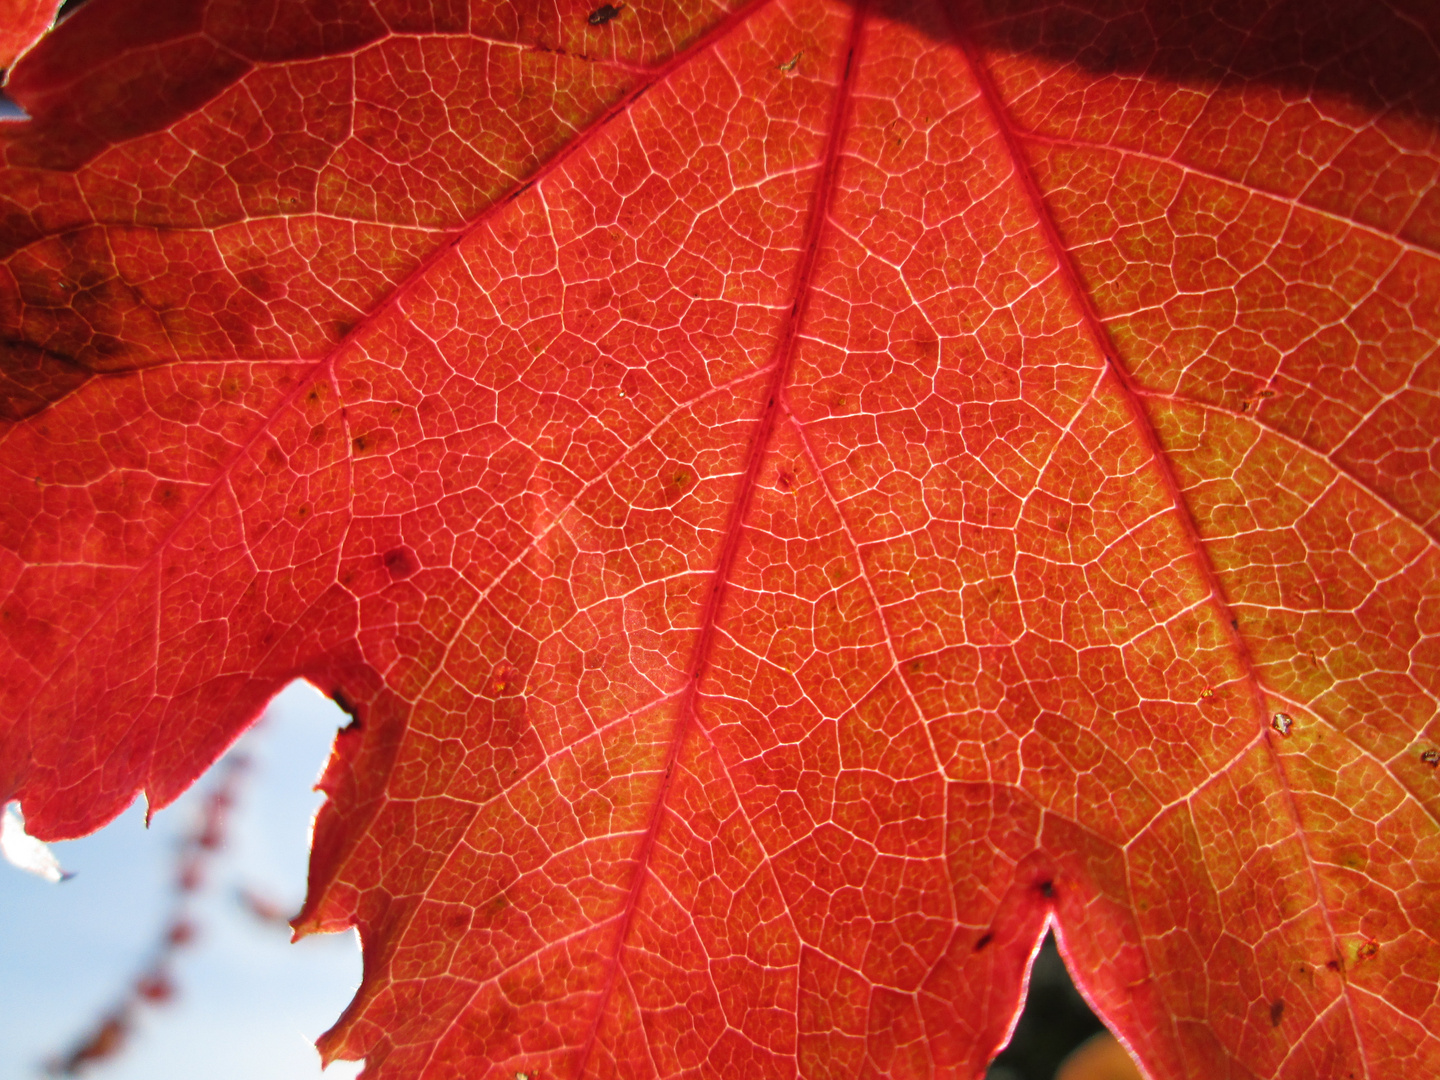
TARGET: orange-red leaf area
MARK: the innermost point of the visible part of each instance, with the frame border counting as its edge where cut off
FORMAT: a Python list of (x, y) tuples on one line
[(794, 498), (22, 22)]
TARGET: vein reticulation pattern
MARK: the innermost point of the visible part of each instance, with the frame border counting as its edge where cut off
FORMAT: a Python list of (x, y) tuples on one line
[(794, 497)]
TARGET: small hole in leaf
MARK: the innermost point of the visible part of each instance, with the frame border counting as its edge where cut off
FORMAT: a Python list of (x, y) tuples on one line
[(604, 13)]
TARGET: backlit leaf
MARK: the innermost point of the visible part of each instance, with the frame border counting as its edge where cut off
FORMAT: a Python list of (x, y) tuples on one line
[(795, 497)]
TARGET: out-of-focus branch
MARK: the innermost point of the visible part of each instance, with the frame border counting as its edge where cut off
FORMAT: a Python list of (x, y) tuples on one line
[(155, 984)]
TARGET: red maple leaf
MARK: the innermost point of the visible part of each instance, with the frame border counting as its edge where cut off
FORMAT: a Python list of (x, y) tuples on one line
[(795, 499)]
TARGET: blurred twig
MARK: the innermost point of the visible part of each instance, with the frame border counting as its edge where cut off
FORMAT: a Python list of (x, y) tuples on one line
[(155, 984)]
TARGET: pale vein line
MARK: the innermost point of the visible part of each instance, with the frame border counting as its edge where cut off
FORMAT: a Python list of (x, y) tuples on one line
[(1295, 202), (1275, 433), (709, 621), (1363, 752), (887, 633), (1096, 330)]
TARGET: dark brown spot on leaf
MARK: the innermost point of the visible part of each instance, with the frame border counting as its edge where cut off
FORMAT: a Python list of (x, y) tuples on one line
[(1277, 1010), (401, 563), (677, 480)]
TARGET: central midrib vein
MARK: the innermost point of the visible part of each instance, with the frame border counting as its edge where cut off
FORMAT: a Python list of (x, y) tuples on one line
[(781, 362)]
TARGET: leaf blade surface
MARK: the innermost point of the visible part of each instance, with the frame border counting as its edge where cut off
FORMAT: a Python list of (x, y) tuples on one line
[(842, 486)]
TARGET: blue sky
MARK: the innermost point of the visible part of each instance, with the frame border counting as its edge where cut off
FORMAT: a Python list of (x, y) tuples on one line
[(249, 1004)]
